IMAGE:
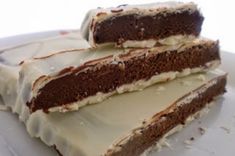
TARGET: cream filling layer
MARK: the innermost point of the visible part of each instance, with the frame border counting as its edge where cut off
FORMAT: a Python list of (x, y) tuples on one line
[(168, 41)]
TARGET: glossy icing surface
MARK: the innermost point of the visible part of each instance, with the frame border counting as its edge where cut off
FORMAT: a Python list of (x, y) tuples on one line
[(38, 72), (93, 129), (11, 57)]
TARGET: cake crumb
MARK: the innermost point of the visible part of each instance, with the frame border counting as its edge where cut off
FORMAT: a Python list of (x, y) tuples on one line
[(202, 130), (120, 90), (165, 143), (226, 129), (188, 142), (157, 147)]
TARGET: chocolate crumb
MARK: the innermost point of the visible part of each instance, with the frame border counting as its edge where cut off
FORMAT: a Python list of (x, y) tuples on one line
[(192, 138), (202, 130)]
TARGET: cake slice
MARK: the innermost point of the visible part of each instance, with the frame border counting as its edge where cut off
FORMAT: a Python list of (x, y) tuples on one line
[(128, 124), (12, 57), (70, 80), (143, 25)]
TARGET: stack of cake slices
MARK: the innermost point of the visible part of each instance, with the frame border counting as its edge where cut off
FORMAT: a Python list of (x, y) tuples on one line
[(146, 71)]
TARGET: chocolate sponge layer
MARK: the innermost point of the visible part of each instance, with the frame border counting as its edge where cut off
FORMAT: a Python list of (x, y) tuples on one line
[(137, 27)]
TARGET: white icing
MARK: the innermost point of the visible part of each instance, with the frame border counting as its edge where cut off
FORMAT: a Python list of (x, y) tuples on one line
[(98, 15), (34, 69), (11, 57), (43, 48), (111, 122)]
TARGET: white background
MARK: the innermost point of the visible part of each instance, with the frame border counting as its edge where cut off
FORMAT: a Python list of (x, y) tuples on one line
[(27, 16)]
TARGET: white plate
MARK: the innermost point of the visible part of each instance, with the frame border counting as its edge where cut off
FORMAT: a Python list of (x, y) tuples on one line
[(219, 138)]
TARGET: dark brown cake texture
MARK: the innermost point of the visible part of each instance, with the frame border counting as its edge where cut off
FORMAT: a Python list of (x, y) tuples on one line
[(139, 23), (135, 27)]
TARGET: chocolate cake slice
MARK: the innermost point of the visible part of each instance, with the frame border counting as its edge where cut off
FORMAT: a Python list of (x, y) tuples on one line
[(12, 57), (143, 25), (70, 80), (111, 129)]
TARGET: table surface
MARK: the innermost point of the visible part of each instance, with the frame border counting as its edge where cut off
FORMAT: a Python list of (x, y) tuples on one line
[(219, 138)]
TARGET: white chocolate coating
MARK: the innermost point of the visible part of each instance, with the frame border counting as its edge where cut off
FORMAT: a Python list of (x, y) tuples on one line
[(168, 41), (96, 128), (11, 57), (34, 69)]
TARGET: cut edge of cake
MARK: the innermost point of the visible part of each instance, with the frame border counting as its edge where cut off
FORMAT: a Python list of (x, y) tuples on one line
[(206, 57), (184, 110), (97, 16)]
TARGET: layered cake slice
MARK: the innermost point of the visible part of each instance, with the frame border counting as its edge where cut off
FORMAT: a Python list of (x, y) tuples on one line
[(143, 25), (111, 129), (12, 57), (69, 80)]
